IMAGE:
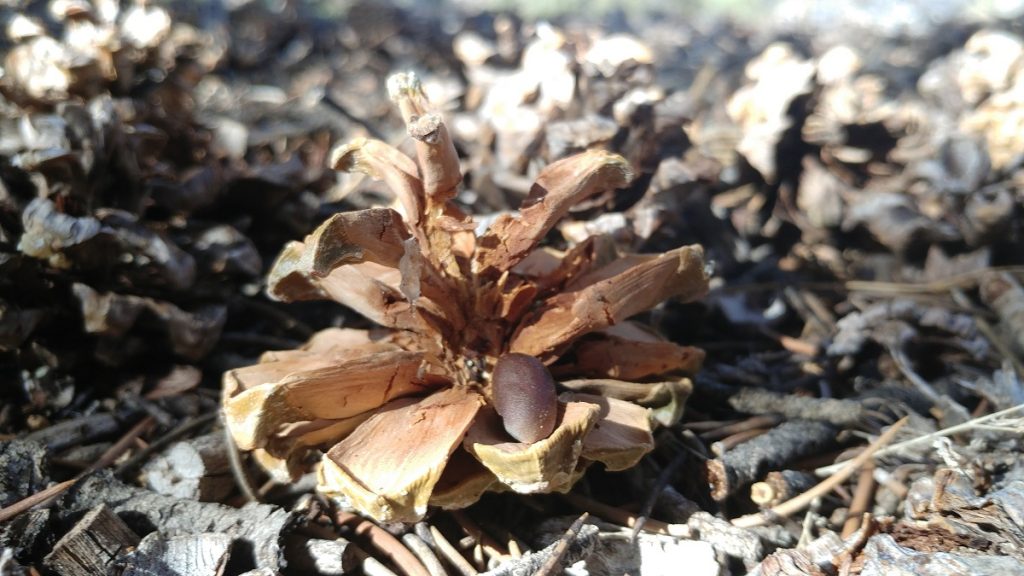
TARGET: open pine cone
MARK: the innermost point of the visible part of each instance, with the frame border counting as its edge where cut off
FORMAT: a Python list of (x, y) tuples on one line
[(412, 415)]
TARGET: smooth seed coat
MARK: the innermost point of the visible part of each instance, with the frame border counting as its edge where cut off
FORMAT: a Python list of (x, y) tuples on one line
[(524, 396)]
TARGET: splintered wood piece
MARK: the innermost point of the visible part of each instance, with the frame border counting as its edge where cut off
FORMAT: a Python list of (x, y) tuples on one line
[(383, 162), (779, 486), (321, 557), (389, 466), (559, 187), (615, 294), (95, 542), (193, 554), (822, 551), (333, 393), (196, 469), (547, 465), (883, 555), (622, 434)]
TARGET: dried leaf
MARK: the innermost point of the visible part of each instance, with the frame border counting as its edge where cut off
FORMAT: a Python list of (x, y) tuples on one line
[(48, 232), (191, 334)]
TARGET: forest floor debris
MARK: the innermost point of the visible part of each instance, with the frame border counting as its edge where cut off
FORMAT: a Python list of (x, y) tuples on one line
[(857, 189)]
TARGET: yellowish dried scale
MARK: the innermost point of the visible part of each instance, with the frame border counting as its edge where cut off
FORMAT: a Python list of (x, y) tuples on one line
[(405, 414)]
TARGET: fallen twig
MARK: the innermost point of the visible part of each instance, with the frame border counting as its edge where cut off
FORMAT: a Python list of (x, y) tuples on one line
[(769, 451), (489, 545), (35, 499), (445, 548), (956, 429), (384, 542), (237, 466), (793, 505), (862, 499), (577, 544), (624, 518), (121, 446), (425, 554), (554, 561), (165, 440)]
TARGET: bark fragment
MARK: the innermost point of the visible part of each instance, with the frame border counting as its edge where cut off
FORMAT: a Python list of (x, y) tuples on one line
[(770, 451), (195, 469), (93, 545), (259, 527), (194, 554)]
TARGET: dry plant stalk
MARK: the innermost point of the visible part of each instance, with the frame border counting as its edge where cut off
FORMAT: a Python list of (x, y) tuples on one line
[(407, 413)]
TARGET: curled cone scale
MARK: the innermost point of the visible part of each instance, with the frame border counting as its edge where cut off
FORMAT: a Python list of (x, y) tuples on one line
[(453, 395)]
